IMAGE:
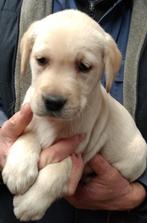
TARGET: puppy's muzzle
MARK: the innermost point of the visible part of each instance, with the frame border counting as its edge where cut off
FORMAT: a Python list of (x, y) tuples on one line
[(54, 103)]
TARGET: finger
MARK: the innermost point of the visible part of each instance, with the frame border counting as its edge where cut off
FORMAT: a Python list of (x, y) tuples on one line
[(76, 174), (99, 164), (17, 124), (60, 150)]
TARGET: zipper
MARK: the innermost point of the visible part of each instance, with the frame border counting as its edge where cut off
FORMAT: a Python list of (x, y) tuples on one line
[(92, 5)]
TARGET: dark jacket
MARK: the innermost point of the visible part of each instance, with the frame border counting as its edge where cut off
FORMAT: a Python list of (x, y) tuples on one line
[(9, 26), (61, 211)]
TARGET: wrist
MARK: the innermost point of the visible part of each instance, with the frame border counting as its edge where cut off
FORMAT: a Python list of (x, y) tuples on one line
[(137, 195), (130, 200)]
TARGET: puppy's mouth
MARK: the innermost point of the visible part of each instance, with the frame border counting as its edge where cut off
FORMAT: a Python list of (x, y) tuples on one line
[(64, 114), (68, 113)]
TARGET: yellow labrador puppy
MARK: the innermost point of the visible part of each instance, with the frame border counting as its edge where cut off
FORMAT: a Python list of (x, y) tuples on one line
[(68, 54)]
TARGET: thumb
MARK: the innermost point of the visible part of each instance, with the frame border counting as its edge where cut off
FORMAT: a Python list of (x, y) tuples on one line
[(15, 126), (99, 164)]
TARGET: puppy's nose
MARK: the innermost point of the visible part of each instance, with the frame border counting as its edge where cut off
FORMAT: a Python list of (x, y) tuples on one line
[(54, 103)]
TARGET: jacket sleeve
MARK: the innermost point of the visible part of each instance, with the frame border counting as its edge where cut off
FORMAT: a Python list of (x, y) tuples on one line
[(143, 179), (3, 117)]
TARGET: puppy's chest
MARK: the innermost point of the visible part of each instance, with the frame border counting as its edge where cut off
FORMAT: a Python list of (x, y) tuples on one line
[(48, 132)]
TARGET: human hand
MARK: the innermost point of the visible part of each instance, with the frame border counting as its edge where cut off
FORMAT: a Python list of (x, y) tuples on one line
[(108, 190), (59, 151), (12, 129)]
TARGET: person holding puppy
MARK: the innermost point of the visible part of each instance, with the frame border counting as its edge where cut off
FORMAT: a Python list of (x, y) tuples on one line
[(108, 197)]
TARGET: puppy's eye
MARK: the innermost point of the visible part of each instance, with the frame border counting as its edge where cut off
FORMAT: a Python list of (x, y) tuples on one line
[(42, 61), (83, 67)]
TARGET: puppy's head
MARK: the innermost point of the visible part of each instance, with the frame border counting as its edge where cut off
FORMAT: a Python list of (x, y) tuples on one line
[(68, 53)]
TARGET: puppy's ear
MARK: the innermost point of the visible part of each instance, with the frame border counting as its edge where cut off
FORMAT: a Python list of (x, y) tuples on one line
[(112, 60), (26, 45)]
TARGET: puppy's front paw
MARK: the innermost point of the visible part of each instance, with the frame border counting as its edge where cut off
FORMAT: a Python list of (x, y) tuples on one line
[(18, 180), (50, 184), (31, 206), (20, 171)]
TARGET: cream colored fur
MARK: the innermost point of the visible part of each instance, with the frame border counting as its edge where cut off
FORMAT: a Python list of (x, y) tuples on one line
[(67, 41)]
